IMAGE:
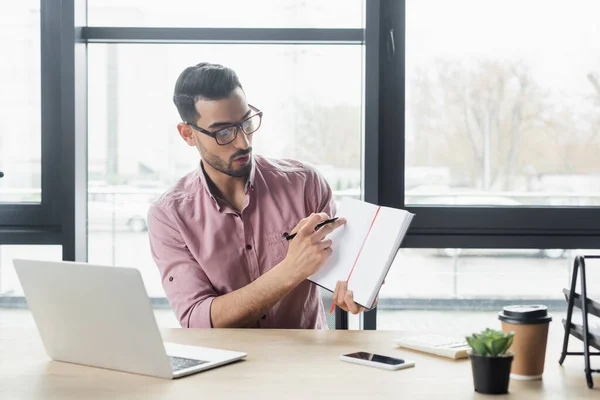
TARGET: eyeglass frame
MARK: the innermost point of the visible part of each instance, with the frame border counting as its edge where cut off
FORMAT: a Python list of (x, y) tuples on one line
[(237, 125)]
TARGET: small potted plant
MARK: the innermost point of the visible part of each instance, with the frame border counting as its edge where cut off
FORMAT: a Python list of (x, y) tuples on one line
[(491, 360)]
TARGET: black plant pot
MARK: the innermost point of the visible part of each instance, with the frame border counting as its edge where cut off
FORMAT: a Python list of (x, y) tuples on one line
[(491, 374)]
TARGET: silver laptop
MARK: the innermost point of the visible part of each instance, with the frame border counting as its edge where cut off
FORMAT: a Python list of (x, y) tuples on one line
[(101, 316)]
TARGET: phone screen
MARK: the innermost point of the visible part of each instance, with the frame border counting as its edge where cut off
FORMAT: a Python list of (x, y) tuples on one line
[(376, 358)]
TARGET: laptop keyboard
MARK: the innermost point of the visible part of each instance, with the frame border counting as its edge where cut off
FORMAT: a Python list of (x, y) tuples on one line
[(179, 363)]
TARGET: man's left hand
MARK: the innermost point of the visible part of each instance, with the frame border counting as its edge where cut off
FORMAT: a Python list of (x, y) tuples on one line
[(344, 299)]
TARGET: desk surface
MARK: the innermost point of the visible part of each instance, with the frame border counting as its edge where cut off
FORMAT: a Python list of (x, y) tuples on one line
[(280, 364)]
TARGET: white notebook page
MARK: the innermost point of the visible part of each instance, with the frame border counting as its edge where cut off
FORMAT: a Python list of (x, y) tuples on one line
[(347, 241), (377, 254)]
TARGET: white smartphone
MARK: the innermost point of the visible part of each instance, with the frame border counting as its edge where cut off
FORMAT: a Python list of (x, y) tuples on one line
[(377, 360)]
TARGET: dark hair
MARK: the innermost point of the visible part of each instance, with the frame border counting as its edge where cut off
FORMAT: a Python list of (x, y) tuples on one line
[(203, 81)]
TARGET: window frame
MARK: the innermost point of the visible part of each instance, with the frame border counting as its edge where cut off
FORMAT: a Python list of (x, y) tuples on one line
[(61, 216), (463, 227), (446, 227)]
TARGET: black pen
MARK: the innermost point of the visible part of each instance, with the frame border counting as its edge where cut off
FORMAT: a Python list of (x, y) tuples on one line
[(319, 225)]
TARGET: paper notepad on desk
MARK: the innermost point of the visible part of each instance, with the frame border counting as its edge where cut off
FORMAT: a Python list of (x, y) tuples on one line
[(363, 248)]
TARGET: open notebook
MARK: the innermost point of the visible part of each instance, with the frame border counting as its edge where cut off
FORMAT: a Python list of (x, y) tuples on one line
[(363, 248)]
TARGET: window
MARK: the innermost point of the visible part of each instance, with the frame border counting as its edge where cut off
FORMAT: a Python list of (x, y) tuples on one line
[(489, 125), (227, 14), (486, 129), (81, 82), (311, 97), (502, 107), (20, 109), (34, 136), (491, 119)]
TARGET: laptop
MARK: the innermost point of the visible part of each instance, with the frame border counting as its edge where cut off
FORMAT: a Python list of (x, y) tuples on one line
[(101, 316)]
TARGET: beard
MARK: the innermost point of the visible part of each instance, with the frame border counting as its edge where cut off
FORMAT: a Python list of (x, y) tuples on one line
[(226, 167)]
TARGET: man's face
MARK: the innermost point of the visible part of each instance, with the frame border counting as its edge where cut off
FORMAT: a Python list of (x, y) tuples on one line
[(233, 159)]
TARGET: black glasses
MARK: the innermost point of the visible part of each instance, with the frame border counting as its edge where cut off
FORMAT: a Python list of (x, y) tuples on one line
[(227, 135)]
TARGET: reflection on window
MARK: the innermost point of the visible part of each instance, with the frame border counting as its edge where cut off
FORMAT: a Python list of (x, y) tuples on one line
[(500, 116)]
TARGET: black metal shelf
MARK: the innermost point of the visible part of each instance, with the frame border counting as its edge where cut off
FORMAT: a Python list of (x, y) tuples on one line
[(593, 307), (577, 331), (581, 331)]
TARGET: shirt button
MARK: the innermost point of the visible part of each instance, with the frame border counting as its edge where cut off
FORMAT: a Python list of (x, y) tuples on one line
[(248, 247)]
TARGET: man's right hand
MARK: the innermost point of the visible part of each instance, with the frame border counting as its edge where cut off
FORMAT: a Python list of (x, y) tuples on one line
[(309, 250)]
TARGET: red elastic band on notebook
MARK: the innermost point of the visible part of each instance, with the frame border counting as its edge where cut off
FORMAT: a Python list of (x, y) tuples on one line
[(358, 255)]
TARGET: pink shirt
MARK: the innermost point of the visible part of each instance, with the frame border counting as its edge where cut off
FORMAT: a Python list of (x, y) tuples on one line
[(204, 248)]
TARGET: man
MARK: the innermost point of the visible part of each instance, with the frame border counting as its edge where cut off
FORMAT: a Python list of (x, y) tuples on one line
[(218, 236)]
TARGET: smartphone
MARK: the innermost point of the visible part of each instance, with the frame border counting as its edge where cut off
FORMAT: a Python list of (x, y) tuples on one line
[(377, 360)]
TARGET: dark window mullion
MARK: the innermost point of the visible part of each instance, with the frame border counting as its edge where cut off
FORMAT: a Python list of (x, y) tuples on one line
[(522, 220), (52, 175), (384, 109), (221, 35), (23, 215)]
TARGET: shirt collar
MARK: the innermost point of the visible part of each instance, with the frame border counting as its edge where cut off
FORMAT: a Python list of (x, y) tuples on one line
[(207, 184)]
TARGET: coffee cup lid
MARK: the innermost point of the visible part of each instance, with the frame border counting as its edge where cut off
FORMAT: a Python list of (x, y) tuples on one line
[(525, 314)]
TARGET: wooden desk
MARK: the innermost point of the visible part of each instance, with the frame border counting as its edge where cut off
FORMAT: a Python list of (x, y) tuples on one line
[(280, 364)]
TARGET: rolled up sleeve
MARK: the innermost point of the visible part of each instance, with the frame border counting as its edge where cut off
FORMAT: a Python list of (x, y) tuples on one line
[(320, 196), (186, 285)]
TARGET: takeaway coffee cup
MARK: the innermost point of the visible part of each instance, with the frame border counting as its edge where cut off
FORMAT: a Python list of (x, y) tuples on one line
[(530, 324)]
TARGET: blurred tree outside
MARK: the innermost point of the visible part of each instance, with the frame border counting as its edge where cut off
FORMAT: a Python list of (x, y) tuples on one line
[(495, 127)]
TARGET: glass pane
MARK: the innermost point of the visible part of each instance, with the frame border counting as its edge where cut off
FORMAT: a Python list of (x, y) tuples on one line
[(498, 116), (479, 279), (228, 14), (20, 110), (9, 282), (312, 103)]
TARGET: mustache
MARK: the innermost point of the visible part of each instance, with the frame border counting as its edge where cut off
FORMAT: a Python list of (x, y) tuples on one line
[(241, 153)]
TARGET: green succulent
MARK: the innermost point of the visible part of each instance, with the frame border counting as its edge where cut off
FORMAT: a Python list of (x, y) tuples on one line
[(490, 343)]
